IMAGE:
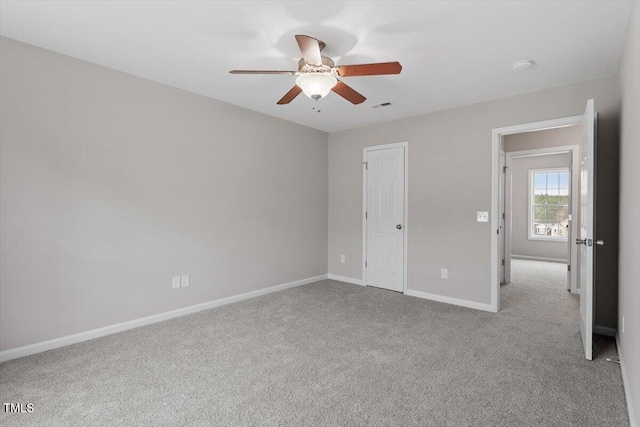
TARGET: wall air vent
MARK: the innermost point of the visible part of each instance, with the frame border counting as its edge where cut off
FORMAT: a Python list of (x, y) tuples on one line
[(384, 104)]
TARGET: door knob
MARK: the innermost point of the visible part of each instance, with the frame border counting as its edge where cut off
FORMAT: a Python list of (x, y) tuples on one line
[(581, 241), (399, 226), (600, 242)]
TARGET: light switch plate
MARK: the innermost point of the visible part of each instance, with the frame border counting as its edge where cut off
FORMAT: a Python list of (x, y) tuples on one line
[(482, 216), (343, 259), (444, 273), (184, 283), (175, 282)]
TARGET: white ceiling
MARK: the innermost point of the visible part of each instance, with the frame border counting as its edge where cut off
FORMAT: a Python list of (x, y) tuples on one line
[(453, 53)]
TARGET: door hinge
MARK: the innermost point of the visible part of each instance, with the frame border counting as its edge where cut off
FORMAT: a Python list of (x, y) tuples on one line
[(502, 261), (498, 231), (568, 267), (366, 215), (366, 165), (365, 264), (504, 169), (502, 215)]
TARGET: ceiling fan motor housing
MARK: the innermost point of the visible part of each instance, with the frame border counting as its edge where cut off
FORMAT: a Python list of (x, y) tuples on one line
[(326, 67)]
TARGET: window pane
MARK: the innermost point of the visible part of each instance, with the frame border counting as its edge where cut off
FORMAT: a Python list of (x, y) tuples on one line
[(540, 229), (564, 180), (539, 199), (550, 200), (564, 229), (563, 214), (557, 229), (540, 182)]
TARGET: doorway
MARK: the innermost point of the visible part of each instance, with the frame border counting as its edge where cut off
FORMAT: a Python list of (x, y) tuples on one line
[(384, 230), (584, 237), (540, 208)]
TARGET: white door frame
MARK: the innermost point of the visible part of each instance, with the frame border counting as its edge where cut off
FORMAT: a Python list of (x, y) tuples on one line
[(505, 276), (366, 150), (496, 138), (574, 151)]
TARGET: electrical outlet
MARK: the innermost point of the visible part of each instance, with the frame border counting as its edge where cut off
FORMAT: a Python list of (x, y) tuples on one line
[(175, 282), (184, 283), (343, 259), (444, 273)]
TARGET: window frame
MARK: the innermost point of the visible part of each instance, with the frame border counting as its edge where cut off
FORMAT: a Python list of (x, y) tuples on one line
[(530, 220)]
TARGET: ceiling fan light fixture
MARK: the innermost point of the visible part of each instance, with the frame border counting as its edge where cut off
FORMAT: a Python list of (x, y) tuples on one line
[(318, 75), (316, 85)]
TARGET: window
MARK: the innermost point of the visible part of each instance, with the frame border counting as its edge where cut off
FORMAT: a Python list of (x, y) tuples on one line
[(549, 204)]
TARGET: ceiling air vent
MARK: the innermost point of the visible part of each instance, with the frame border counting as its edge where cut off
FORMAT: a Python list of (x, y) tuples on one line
[(384, 104)]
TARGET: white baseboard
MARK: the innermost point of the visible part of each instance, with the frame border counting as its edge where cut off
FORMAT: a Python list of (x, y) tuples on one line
[(604, 330), (539, 258), (27, 350), (449, 300), (626, 386), (345, 279)]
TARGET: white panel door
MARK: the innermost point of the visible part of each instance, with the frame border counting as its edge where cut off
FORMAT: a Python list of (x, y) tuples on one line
[(585, 240), (385, 219)]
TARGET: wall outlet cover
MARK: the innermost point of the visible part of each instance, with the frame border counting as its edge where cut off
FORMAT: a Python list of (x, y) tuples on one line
[(343, 259), (184, 283), (175, 282), (444, 273), (482, 216)]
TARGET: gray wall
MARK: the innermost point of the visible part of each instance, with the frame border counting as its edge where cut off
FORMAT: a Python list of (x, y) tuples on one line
[(629, 297), (520, 243), (449, 180), (569, 135), (111, 184)]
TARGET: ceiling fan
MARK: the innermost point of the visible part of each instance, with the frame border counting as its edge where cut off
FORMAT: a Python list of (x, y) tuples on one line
[(318, 75)]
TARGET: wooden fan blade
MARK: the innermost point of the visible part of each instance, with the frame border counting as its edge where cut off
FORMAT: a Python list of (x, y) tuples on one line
[(290, 73), (295, 91), (310, 49), (348, 93), (376, 69)]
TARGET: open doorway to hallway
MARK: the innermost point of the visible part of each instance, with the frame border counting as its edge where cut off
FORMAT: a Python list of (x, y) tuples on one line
[(583, 158), (540, 200)]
